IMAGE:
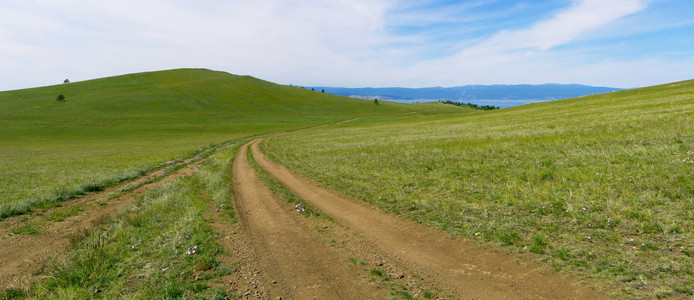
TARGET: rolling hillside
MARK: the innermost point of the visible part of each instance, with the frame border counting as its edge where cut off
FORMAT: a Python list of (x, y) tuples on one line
[(113, 128), (600, 186)]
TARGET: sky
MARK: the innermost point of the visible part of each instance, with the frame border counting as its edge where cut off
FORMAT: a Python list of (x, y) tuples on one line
[(352, 43)]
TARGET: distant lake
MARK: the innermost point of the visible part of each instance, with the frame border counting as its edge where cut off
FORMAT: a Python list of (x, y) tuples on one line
[(497, 103)]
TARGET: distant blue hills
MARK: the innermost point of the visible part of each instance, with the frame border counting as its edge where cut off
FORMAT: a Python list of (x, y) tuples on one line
[(541, 92)]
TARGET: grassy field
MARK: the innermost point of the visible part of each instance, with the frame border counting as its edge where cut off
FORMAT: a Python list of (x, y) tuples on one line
[(142, 254), (599, 186), (112, 129)]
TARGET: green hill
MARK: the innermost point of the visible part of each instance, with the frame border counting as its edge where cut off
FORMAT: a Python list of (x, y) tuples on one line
[(601, 186), (175, 100), (119, 125)]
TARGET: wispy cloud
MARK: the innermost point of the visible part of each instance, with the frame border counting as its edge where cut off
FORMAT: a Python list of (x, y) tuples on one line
[(566, 26), (340, 42)]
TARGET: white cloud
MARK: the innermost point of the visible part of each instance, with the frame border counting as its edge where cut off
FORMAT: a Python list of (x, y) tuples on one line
[(307, 42), (566, 26), (274, 38), (527, 55)]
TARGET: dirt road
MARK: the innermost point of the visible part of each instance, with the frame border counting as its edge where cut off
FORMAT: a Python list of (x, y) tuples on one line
[(358, 252), (301, 266), (455, 266)]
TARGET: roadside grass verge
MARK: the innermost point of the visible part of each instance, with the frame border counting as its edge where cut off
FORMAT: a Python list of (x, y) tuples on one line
[(601, 187), (215, 177), (161, 247)]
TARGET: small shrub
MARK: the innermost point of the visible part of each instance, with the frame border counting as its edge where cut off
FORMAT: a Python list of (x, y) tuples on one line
[(60, 98)]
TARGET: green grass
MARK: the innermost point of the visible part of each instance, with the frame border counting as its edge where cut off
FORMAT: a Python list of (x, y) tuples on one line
[(114, 129), (159, 248), (28, 228), (59, 215), (599, 186)]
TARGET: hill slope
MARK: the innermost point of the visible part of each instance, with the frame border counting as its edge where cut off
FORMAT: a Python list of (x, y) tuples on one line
[(191, 98), (601, 186), (110, 126)]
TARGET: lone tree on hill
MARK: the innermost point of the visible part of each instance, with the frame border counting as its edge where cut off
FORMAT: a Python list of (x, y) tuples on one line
[(60, 98), (66, 81)]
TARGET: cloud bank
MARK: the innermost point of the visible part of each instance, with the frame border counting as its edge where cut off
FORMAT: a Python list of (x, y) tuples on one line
[(339, 43)]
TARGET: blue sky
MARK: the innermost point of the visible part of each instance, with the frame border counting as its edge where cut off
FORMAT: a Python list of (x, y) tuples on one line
[(353, 43)]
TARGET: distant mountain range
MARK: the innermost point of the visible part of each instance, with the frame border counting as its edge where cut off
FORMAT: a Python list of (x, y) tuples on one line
[(472, 92)]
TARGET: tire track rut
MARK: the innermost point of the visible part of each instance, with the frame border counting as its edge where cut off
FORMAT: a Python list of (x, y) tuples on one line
[(25, 256), (294, 261), (457, 266)]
